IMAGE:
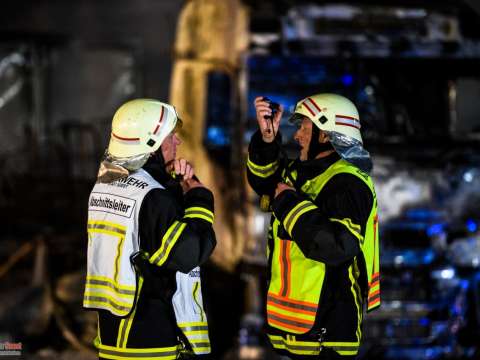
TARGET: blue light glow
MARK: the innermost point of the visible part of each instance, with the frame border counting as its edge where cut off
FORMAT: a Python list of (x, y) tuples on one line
[(471, 226), (217, 136), (347, 79), (435, 229), (428, 257), (424, 322), (421, 214)]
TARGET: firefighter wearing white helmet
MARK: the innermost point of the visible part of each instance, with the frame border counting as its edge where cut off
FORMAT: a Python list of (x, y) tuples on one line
[(337, 117), (323, 249), (331, 112), (149, 229)]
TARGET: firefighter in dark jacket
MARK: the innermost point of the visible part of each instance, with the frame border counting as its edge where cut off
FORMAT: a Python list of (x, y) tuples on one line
[(323, 238), (149, 229)]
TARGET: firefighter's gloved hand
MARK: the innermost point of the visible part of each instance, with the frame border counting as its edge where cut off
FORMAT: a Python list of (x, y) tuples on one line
[(282, 187)]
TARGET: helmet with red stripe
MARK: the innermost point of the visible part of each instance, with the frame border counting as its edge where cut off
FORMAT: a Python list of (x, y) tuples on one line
[(330, 112), (140, 126)]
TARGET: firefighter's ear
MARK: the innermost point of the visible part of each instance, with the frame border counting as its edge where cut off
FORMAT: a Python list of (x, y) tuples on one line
[(323, 137)]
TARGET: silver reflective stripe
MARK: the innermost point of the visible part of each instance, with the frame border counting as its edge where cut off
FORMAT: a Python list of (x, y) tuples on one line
[(107, 227), (129, 354), (200, 344), (292, 305), (106, 301), (292, 216), (193, 328), (110, 285), (168, 241), (290, 322)]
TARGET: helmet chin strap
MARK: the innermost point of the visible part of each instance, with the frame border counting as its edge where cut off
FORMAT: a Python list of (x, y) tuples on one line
[(316, 147)]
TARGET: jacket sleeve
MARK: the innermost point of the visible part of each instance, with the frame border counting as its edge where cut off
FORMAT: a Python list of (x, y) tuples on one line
[(330, 228), (178, 238), (263, 165)]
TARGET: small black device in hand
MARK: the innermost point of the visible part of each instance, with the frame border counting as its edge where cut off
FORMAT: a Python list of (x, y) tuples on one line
[(273, 106)]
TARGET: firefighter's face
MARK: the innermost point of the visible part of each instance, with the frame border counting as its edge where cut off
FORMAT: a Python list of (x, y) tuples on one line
[(169, 147), (304, 136)]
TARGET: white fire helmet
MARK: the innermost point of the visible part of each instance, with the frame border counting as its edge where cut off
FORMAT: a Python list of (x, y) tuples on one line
[(338, 117), (330, 112), (140, 126)]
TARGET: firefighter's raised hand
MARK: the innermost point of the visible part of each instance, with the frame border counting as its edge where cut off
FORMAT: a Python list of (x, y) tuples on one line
[(263, 109), (182, 168), (190, 184), (183, 171), (282, 187)]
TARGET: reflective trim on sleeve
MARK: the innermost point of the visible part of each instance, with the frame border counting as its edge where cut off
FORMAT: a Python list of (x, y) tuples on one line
[(168, 241), (352, 227), (262, 171), (200, 213), (293, 215)]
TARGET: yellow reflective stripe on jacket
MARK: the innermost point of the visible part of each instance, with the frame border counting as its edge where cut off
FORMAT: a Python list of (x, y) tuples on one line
[(294, 346), (126, 324), (168, 241), (200, 346), (109, 228), (343, 348), (197, 335), (106, 303), (298, 347), (99, 282), (356, 292), (262, 171), (355, 229), (293, 215), (199, 212), (96, 294), (164, 353), (193, 327), (106, 227)]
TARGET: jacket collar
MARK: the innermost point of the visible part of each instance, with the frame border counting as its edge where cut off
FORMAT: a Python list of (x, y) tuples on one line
[(155, 166), (309, 169)]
